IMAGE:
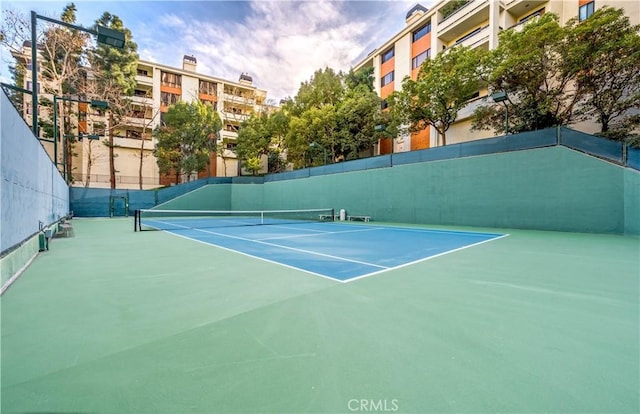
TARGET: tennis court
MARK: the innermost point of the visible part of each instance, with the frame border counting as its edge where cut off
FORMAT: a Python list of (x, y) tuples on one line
[(303, 240), (115, 321)]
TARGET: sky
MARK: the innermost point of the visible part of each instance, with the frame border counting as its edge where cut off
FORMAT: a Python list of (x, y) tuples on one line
[(279, 43)]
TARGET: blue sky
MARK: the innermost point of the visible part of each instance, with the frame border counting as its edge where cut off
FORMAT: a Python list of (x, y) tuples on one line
[(279, 43)]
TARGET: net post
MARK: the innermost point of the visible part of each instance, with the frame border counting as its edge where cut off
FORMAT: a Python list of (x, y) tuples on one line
[(136, 214), (333, 214)]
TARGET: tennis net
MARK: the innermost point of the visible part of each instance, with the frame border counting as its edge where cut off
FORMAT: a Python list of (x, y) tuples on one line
[(202, 219)]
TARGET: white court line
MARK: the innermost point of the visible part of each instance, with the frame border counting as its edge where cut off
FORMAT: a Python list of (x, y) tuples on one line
[(324, 233), (424, 259), (382, 270), (344, 259), (254, 257)]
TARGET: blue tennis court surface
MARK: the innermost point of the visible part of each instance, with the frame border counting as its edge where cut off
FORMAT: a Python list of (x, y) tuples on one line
[(337, 250)]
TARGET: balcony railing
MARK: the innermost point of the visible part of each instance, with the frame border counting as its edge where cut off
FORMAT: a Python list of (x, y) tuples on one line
[(125, 142), (239, 99), (144, 80), (234, 116), (475, 38)]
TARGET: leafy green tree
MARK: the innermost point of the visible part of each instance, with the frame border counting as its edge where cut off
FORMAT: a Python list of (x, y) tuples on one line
[(114, 71), (278, 127), (332, 118), (605, 54), (529, 66), (324, 88), (253, 141), (363, 77), (443, 87), (263, 135), (187, 138), (358, 115)]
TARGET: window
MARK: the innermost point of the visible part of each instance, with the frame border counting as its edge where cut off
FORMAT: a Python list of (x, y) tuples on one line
[(212, 104), (30, 86), (140, 114), (586, 10), (384, 104), (99, 128), (171, 79), (142, 72), (388, 55), (417, 61), (134, 134), (208, 88), (387, 79), (30, 66), (167, 99), (421, 32)]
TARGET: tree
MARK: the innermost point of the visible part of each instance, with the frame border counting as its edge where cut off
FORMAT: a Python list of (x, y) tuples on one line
[(253, 142), (529, 66), (443, 87), (332, 118), (14, 31), (186, 139), (605, 54), (324, 88), (263, 134), (60, 73), (358, 115), (363, 77), (113, 72)]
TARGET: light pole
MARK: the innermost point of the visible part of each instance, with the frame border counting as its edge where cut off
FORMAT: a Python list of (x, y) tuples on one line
[(103, 34), (501, 96), (324, 150), (96, 103)]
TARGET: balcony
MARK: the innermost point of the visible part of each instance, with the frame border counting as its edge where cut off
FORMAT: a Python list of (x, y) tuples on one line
[(142, 100), (471, 15), (234, 116), (518, 8), (125, 142), (144, 80), (133, 121), (467, 111), (476, 39), (243, 100), (229, 135)]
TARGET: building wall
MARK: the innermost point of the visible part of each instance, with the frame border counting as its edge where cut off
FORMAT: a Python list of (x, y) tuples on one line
[(476, 24), (128, 145)]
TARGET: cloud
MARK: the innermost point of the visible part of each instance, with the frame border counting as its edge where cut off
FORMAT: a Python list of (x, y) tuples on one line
[(279, 43)]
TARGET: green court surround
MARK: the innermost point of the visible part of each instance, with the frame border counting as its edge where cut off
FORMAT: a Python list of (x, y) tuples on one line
[(111, 321)]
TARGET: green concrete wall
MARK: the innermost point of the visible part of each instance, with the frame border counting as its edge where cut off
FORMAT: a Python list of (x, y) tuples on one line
[(549, 189), (209, 197), (631, 202)]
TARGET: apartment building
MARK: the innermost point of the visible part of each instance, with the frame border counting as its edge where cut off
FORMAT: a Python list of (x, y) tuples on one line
[(474, 23), (158, 87)]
